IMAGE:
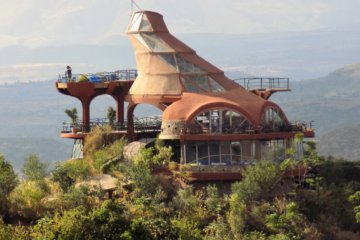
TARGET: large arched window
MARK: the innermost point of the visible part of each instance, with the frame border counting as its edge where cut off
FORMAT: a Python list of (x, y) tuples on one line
[(273, 119), (220, 121), (213, 153)]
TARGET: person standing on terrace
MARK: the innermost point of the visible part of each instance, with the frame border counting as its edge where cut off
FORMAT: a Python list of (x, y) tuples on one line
[(68, 73)]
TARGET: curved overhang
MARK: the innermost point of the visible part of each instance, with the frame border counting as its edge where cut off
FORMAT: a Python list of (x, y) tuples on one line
[(193, 103)]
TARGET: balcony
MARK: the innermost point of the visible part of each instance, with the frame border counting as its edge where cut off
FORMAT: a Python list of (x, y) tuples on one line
[(119, 75), (146, 124), (264, 84), (249, 132)]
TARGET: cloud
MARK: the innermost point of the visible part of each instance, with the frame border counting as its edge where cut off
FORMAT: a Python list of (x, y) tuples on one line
[(38, 72), (61, 22)]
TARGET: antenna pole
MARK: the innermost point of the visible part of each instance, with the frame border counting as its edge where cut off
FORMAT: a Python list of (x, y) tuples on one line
[(133, 3)]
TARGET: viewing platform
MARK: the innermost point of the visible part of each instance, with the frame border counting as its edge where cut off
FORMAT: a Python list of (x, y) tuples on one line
[(101, 77), (86, 87), (264, 87), (149, 125)]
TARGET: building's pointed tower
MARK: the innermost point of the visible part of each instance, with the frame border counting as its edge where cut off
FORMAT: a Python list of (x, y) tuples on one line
[(166, 66), (169, 71)]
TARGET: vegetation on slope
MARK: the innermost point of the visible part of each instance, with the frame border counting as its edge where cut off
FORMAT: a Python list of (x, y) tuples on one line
[(149, 206)]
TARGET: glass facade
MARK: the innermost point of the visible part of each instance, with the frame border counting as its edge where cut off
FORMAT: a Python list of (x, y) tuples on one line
[(155, 43), (228, 153), (222, 121), (273, 119), (215, 153)]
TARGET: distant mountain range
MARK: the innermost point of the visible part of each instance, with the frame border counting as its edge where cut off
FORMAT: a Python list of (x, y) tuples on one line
[(341, 143), (333, 103), (16, 149), (298, 55)]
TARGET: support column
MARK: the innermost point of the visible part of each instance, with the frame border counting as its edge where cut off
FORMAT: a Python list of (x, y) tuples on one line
[(130, 122), (86, 114), (120, 109)]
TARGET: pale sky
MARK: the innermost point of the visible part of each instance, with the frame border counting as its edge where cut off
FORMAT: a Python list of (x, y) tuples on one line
[(35, 23)]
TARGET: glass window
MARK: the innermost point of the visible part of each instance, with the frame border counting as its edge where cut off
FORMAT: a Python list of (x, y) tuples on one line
[(234, 122), (203, 153), (220, 153), (215, 121), (145, 24), (272, 119), (273, 150), (215, 86), (226, 121), (235, 153), (155, 43), (190, 86), (222, 121), (141, 40), (135, 23), (186, 66), (201, 81), (239, 124), (225, 153), (214, 153), (168, 58), (191, 153), (203, 119)]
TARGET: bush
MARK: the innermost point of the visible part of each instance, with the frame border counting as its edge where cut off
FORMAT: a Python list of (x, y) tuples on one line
[(259, 181), (68, 172), (34, 169), (105, 222), (27, 200)]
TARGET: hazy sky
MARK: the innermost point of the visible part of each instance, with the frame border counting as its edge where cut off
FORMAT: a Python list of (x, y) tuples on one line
[(59, 22)]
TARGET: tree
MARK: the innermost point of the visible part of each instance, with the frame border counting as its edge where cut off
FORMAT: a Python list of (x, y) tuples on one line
[(73, 115), (355, 200), (111, 115), (61, 174), (8, 178), (8, 181), (34, 169), (260, 180)]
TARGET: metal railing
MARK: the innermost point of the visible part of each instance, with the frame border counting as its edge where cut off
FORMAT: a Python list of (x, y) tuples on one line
[(301, 125), (222, 160), (119, 75), (263, 83), (295, 126), (146, 124)]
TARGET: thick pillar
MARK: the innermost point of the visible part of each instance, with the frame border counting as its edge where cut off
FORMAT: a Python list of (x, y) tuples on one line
[(120, 108), (130, 122), (85, 114)]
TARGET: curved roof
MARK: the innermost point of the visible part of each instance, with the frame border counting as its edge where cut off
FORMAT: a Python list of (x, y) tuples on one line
[(192, 104)]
